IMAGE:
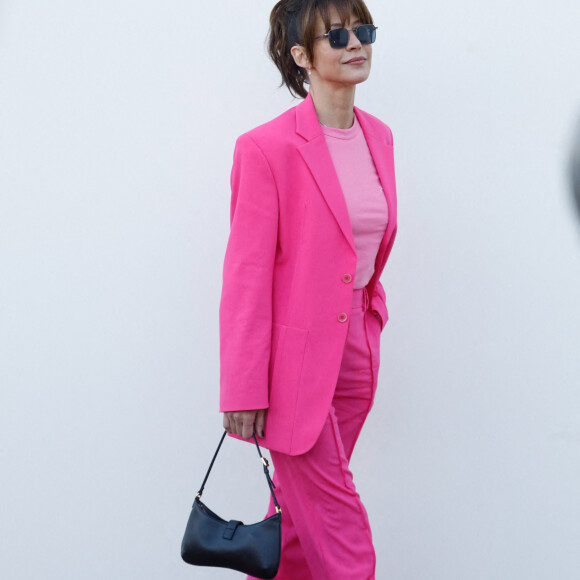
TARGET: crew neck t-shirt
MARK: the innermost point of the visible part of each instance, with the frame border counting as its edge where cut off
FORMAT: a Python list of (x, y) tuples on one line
[(363, 194)]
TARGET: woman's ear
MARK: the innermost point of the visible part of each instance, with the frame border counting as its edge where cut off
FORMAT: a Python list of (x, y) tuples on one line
[(299, 55)]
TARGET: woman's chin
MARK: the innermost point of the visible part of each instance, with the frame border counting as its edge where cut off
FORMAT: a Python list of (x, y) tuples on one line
[(357, 75)]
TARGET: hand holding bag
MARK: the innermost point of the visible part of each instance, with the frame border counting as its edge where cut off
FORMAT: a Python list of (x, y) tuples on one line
[(253, 549)]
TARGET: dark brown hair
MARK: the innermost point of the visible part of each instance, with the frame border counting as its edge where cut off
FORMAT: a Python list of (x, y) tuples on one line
[(293, 22)]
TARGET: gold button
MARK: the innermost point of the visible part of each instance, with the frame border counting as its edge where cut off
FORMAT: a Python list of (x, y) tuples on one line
[(342, 317), (347, 278)]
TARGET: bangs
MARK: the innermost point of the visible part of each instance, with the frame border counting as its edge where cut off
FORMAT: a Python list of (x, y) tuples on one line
[(345, 9)]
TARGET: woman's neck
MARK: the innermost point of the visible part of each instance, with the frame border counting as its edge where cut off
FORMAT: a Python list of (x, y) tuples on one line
[(334, 107)]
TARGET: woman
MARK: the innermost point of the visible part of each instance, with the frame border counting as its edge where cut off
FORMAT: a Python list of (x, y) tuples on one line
[(313, 220)]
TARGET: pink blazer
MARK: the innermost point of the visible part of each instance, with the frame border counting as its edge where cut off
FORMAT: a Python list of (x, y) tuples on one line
[(288, 274)]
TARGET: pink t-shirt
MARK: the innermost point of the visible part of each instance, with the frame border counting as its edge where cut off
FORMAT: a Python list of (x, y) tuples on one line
[(364, 196)]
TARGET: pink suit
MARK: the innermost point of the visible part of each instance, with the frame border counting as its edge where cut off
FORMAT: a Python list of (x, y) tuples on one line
[(288, 273), (297, 339)]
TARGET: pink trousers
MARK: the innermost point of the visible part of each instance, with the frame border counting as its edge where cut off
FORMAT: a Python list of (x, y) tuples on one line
[(325, 528)]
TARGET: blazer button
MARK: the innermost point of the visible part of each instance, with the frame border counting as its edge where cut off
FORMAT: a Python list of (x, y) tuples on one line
[(347, 278), (342, 317)]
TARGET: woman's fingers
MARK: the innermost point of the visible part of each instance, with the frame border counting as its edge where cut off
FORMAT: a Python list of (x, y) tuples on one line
[(260, 421), (238, 424), (247, 421), (244, 423)]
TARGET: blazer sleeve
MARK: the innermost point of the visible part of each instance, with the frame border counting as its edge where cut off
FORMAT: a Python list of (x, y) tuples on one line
[(245, 313)]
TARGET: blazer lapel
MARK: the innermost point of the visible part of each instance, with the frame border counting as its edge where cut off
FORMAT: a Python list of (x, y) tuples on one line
[(316, 155)]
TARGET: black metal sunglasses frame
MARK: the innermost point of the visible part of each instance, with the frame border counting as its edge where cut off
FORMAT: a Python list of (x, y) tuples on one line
[(339, 37)]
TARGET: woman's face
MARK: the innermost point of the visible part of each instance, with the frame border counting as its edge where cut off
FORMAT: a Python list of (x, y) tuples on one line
[(340, 66)]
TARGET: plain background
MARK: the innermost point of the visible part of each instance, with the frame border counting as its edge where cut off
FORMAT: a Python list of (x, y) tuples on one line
[(117, 126)]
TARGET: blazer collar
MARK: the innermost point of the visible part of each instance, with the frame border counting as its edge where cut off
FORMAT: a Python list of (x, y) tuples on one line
[(307, 123)]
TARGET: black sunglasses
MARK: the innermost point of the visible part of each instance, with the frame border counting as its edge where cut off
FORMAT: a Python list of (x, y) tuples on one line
[(339, 37)]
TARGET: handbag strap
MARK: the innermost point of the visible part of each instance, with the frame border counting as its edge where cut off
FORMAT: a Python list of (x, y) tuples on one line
[(264, 462), (267, 474)]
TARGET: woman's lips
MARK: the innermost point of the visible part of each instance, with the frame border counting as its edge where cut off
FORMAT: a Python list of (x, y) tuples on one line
[(358, 60)]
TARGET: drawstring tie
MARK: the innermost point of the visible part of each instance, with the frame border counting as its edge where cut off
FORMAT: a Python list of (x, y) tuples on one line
[(366, 301)]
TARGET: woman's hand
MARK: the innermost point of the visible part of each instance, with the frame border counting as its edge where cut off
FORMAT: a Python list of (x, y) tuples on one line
[(244, 423)]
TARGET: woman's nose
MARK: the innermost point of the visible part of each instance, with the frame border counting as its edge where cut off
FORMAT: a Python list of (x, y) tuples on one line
[(353, 41)]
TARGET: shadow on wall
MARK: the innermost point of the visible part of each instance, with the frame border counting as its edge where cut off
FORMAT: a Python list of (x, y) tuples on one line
[(575, 168)]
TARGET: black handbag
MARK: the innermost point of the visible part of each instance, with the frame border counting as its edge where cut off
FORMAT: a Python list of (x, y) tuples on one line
[(212, 541)]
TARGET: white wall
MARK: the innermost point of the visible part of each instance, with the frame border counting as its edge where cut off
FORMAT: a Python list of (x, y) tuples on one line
[(117, 125)]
